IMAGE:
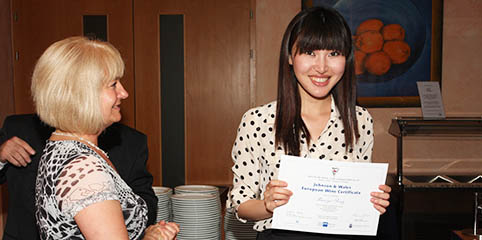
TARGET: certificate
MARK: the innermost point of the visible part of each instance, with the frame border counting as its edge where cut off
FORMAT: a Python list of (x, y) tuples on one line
[(329, 196)]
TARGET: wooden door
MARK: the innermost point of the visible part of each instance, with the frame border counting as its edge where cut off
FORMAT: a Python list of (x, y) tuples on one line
[(216, 82), (39, 23)]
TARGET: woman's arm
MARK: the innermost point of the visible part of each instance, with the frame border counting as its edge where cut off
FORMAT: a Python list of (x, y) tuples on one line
[(102, 220), (275, 195), (253, 210), (246, 172), (86, 191)]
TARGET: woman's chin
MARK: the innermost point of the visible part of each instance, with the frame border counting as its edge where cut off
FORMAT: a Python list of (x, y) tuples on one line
[(112, 121)]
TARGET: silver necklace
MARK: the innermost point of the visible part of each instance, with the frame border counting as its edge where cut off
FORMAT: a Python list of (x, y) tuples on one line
[(82, 139)]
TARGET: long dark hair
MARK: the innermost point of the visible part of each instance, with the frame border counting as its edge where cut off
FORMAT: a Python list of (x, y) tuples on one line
[(312, 29)]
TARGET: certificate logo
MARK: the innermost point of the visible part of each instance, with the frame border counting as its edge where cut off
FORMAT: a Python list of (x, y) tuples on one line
[(325, 224), (334, 170)]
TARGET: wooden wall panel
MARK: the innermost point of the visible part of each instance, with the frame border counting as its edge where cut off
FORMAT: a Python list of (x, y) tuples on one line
[(6, 59), (147, 88), (6, 89), (34, 21), (41, 23), (216, 81), (272, 18), (217, 87)]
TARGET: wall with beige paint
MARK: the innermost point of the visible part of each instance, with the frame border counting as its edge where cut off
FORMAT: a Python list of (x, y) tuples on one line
[(461, 93)]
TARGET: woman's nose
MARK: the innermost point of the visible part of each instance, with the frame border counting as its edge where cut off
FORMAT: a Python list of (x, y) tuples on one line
[(121, 92), (320, 64)]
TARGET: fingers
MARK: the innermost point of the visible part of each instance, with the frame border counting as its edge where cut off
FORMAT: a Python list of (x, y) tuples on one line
[(277, 187), (172, 227), (16, 151), (152, 233), (270, 205), (18, 143), (276, 183), (380, 209), (168, 230), (380, 200), (276, 195), (379, 195), (22, 156), (162, 230), (385, 188)]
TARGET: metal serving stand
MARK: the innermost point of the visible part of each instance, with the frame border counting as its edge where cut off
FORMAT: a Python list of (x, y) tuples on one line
[(459, 127)]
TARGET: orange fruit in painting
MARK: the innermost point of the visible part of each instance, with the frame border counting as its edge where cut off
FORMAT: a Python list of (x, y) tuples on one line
[(359, 58), (393, 32), (369, 25), (397, 50), (370, 41), (378, 63), (378, 46)]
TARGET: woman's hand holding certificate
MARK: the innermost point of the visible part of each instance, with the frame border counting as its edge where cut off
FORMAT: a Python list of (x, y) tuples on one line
[(380, 199), (332, 197), (276, 195)]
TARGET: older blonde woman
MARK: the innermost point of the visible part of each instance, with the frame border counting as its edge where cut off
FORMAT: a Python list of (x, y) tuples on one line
[(79, 194)]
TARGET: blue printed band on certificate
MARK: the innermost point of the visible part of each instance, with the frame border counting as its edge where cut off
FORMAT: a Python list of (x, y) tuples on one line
[(329, 197)]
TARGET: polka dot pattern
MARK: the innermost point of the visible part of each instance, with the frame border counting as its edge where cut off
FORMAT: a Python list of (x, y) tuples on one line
[(257, 160)]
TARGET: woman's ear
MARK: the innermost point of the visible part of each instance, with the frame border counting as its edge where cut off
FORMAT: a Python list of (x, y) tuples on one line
[(290, 60)]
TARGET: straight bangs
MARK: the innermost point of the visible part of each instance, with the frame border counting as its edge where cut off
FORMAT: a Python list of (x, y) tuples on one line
[(109, 62), (323, 31)]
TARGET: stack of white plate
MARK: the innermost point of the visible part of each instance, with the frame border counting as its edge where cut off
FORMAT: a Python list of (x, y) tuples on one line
[(236, 230), (198, 215), (198, 189), (163, 203)]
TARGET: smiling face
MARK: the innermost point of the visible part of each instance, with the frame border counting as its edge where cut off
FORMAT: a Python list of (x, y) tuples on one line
[(111, 96), (317, 71)]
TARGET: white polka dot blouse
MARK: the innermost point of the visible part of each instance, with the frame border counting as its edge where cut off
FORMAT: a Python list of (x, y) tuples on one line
[(257, 159)]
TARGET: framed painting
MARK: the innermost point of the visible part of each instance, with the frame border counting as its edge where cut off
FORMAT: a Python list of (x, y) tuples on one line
[(396, 43)]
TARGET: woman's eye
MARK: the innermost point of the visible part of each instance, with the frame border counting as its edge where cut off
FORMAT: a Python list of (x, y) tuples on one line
[(114, 84), (311, 53), (335, 53)]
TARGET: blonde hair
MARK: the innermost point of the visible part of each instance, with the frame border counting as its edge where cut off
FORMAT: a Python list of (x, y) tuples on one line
[(67, 82)]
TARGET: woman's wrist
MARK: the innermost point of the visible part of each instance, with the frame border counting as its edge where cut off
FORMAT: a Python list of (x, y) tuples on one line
[(254, 210), (267, 208)]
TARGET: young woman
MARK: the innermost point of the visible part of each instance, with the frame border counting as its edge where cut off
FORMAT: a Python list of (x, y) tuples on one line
[(79, 194), (315, 116)]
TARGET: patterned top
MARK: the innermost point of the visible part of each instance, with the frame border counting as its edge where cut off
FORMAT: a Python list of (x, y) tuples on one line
[(257, 160), (71, 176)]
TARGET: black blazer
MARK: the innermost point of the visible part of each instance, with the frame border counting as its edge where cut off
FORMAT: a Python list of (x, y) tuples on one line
[(127, 149)]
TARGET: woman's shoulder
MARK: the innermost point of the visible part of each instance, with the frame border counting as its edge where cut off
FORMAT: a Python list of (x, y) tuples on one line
[(265, 110), (362, 111), (69, 153), (87, 161), (363, 116)]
